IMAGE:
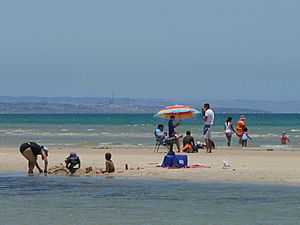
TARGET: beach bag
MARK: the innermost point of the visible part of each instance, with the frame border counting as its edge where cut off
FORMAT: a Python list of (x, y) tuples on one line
[(195, 148)]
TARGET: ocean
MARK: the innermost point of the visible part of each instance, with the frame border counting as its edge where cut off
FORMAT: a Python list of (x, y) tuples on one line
[(61, 200), (98, 200), (137, 130)]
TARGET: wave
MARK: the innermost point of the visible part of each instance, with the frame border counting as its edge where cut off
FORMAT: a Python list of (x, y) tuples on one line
[(278, 147), (273, 146), (295, 130), (264, 135), (90, 129), (61, 144)]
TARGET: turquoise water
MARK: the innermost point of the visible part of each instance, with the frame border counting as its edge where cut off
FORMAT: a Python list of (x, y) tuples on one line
[(98, 200), (135, 130)]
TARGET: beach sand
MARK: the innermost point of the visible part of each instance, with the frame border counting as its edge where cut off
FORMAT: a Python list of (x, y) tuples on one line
[(246, 165)]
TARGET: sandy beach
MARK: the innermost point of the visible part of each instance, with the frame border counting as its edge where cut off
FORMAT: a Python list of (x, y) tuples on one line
[(247, 165)]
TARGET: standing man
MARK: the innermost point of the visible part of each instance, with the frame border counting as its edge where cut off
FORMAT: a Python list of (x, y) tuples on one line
[(172, 133), (208, 117), (30, 150)]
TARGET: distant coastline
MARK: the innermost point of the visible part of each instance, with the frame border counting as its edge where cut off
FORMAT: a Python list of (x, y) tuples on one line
[(73, 105)]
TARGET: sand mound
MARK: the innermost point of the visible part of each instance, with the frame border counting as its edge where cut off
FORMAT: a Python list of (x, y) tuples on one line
[(62, 170)]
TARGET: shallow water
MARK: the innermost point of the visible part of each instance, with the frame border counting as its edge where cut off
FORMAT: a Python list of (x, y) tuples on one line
[(99, 200), (136, 130)]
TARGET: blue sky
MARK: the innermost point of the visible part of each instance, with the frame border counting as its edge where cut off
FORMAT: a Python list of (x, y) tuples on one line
[(150, 49)]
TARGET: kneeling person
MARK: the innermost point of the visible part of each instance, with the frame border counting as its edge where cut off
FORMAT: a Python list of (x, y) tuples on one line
[(188, 143), (72, 162)]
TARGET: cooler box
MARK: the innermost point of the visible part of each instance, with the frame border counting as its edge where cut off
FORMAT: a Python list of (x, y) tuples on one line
[(182, 159), (175, 161)]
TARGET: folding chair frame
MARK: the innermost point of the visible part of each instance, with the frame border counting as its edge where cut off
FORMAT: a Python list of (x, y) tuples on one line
[(158, 144)]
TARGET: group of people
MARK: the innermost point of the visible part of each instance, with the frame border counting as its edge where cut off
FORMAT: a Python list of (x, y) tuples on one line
[(31, 150), (241, 131), (188, 141), (189, 145)]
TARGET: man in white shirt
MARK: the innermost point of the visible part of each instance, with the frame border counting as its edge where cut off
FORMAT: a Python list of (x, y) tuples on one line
[(208, 117)]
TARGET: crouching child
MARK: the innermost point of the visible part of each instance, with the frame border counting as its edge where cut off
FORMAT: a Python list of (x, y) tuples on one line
[(72, 162)]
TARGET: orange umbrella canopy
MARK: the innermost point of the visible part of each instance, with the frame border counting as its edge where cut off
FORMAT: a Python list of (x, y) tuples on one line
[(180, 112)]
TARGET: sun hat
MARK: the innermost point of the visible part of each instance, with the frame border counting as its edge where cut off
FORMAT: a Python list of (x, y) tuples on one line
[(73, 156), (242, 117)]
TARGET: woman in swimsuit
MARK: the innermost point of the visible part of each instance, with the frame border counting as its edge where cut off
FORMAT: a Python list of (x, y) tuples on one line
[(228, 127)]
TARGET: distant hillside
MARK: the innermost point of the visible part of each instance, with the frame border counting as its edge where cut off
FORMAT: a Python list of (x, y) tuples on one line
[(69, 105), (104, 104), (270, 106), (59, 108)]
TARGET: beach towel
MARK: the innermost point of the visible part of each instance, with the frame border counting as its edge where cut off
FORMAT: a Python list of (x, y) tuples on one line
[(191, 166), (195, 166)]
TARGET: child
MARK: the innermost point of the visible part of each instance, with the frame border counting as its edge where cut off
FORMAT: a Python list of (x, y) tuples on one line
[(284, 138), (72, 161), (109, 165), (245, 137)]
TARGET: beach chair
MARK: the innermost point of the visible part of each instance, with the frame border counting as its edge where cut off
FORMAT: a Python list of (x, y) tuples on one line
[(168, 143)]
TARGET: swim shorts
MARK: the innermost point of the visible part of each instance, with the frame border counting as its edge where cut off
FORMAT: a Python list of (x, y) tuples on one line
[(207, 132)]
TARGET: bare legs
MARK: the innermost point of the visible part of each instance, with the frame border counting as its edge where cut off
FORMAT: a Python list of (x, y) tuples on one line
[(177, 142), (208, 145), (244, 143), (30, 167), (31, 161), (228, 139)]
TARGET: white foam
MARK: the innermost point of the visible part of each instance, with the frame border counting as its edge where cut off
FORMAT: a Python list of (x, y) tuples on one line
[(90, 130), (295, 130), (273, 146)]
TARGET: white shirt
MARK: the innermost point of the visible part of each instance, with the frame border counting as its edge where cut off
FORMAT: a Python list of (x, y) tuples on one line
[(210, 117)]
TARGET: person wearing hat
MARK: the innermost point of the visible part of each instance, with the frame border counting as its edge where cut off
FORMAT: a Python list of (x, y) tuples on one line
[(241, 124), (30, 150), (72, 162)]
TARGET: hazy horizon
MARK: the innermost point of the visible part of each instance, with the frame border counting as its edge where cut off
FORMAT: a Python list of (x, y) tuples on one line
[(148, 98), (170, 49)]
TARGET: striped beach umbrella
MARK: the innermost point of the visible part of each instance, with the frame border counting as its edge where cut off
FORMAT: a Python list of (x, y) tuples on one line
[(180, 112)]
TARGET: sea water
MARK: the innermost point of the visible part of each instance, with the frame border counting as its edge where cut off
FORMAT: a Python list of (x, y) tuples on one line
[(97, 200), (137, 130)]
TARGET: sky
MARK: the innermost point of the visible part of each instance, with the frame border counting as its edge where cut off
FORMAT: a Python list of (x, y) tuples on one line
[(173, 49)]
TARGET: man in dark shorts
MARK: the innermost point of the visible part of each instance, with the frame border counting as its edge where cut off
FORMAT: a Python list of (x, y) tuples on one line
[(30, 150), (172, 133), (208, 117)]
